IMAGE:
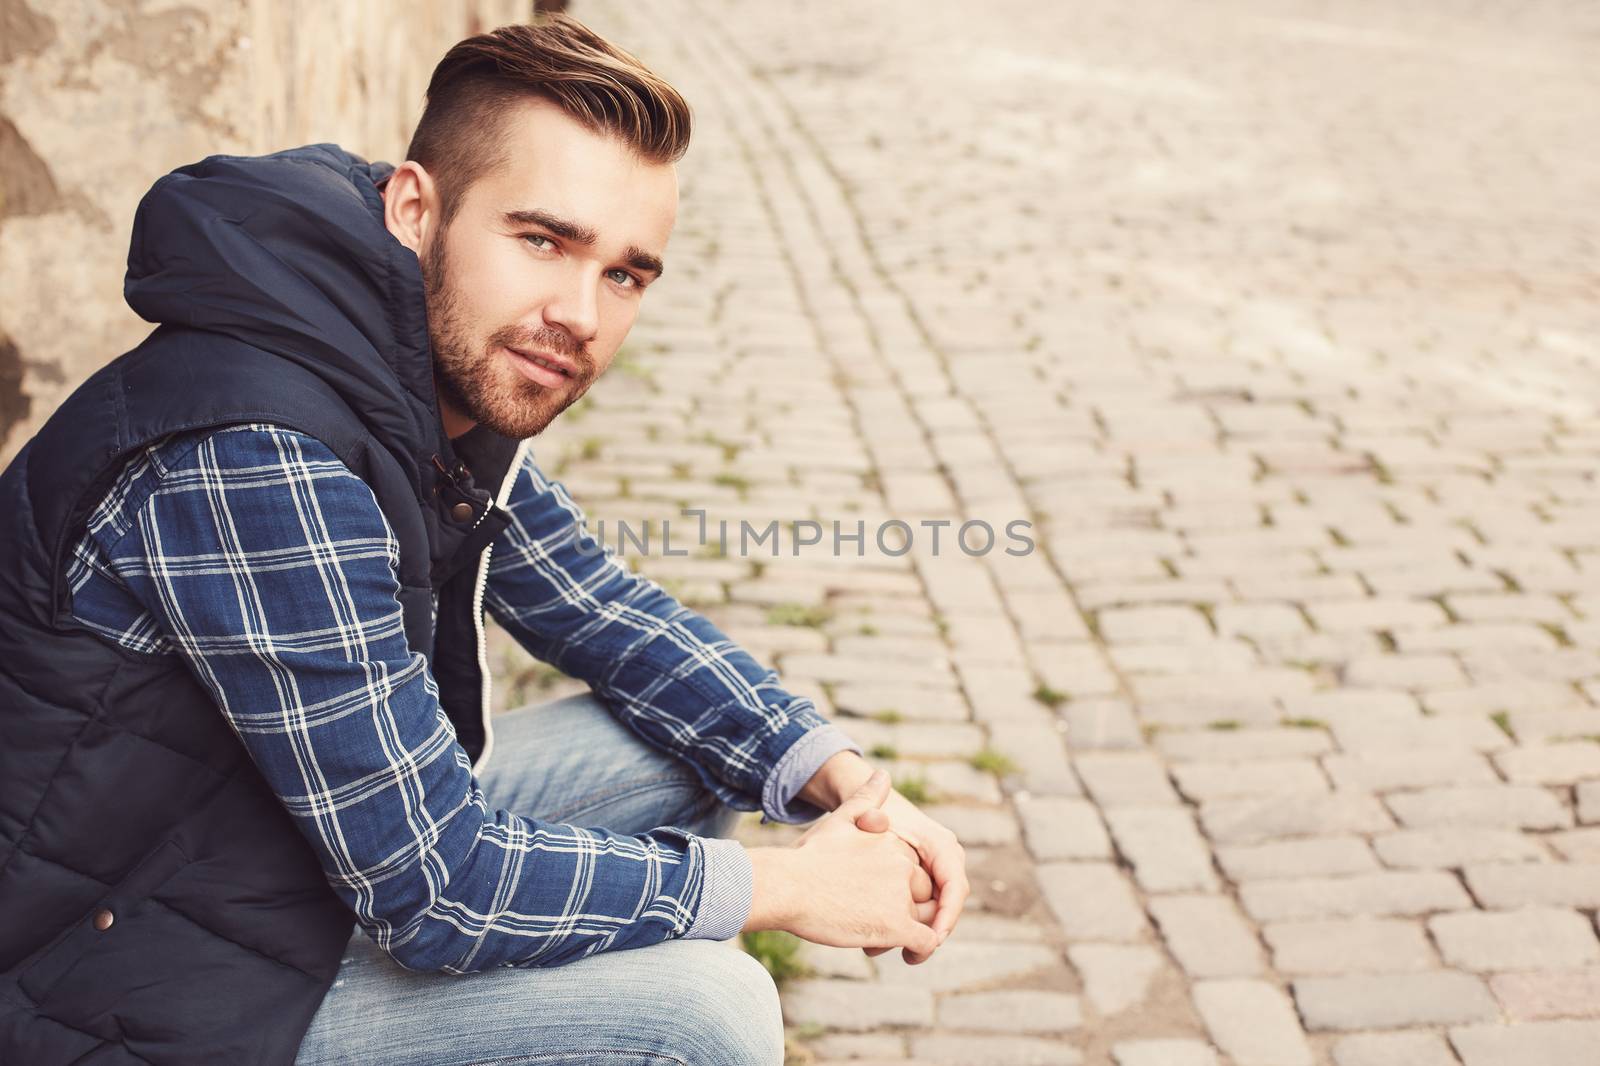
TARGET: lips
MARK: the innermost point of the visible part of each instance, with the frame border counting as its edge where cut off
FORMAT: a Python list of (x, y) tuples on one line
[(542, 369), (549, 362)]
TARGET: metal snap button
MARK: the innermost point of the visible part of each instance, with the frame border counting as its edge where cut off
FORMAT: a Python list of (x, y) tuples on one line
[(461, 512), (103, 919)]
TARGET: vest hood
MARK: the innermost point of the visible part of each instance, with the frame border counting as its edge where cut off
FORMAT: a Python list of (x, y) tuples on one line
[(289, 253)]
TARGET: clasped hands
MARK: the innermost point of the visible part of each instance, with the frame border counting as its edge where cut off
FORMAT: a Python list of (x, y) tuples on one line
[(875, 873)]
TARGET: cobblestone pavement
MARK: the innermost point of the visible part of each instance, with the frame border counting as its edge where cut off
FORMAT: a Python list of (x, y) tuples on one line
[(1278, 321)]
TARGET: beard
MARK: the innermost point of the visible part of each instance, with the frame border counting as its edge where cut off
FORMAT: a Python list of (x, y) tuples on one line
[(477, 379)]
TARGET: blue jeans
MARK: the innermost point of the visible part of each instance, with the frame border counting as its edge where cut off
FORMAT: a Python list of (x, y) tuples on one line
[(689, 1002)]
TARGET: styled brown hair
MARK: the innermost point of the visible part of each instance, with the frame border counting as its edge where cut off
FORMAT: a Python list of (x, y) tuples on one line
[(558, 59)]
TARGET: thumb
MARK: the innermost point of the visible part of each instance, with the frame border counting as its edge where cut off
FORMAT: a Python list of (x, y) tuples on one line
[(873, 821), (870, 795), (918, 939)]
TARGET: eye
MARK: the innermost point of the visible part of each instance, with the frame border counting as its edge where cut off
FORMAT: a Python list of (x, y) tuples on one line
[(533, 237), (623, 278)]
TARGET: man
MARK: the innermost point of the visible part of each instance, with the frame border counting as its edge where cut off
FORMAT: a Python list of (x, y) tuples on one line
[(243, 693)]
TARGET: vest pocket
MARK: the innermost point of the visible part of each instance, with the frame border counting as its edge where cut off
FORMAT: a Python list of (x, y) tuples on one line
[(122, 904)]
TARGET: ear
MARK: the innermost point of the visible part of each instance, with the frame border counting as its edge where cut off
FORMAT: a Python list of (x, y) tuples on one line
[(411, 205)]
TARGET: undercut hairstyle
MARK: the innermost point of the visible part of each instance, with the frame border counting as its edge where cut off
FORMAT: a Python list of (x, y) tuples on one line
[(480, 81)]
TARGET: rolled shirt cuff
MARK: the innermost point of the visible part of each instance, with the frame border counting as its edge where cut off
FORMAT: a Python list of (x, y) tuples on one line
[(729, 891), (797, 767)]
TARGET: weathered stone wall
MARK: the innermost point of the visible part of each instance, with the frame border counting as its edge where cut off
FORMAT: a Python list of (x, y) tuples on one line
[(98, 98)]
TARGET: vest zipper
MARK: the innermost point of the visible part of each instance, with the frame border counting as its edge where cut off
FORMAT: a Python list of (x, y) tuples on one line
[(502, 498)]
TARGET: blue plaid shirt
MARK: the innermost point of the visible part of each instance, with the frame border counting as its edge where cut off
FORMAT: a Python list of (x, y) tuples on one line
[(262, 560)]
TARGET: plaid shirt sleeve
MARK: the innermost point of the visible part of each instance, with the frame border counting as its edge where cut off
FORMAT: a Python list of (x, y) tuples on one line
[(666, 671), (269, 567)]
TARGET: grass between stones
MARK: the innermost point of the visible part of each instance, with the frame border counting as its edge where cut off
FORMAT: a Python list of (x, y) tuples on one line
[(778, 952)]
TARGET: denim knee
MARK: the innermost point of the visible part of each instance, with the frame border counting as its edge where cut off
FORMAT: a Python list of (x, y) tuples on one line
[(726, 1011), (708, 816)]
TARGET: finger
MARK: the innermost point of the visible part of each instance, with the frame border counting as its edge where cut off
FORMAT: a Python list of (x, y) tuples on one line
[(908, 849), (921, 886), (873, 821), (923, 912), (873, 953), (950, 877), (869, 796)]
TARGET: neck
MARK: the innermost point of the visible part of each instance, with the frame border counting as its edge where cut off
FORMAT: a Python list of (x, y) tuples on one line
[(455, 423)]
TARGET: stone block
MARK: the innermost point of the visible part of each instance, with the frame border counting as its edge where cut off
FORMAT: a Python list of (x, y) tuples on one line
[(1546, 995), (859, 1049), (1551, 764), (951, 780), (1219, 656), (1019, 1011), (821, 960), (1210, 780), (1577, 845), (1503, 886), (1453, 847), (1168, 1052), (1256, 585), (1377, 614), (1312, 857), (1238, 745), (1404, 671), (1328, 704), (959, 965), (1039, 754), (1392, 1001), (1219, 689), (1340, 947), (1125, 779), (1393, 1049), (1259, 819), (1483, 806), (870, 698), (976, 826), (1538, 723), (1568, 1043), (1471, 636), (1588, 796), (1092, 901), (993, 1051), (1116, 977), (1259, 620), (1383, 771), (1058, 828), (840, 1005), (1252, 1022), (917, 740), (1514, 695), (1386, 733), (1166, 851), (1506, 606), (1375, 895), (1101, 724), (1208, 936), (1527, 939), (1153, 625)]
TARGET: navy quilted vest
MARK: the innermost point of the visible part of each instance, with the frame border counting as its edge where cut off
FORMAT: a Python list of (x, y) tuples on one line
[(281, 298)]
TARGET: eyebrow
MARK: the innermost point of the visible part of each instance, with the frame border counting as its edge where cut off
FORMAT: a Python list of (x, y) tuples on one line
[(578, 233)]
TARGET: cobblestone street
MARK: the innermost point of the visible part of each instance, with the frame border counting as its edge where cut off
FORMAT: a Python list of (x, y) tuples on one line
[(1278, 321)]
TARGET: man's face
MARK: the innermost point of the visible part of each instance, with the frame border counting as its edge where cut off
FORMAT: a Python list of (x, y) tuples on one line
[(546, 259)]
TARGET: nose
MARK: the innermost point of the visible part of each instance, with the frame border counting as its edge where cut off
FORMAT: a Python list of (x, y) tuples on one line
[(575, 307)]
